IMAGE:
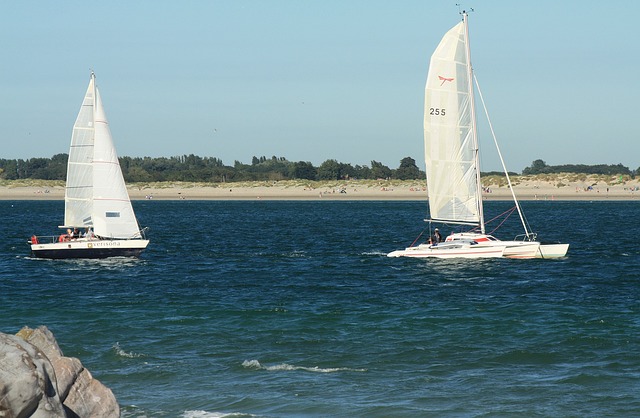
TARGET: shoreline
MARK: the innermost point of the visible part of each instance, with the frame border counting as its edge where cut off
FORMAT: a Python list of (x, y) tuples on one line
[(527, 189)]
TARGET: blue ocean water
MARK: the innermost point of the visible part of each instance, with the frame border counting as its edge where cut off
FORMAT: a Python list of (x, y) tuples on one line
[(287, 308)]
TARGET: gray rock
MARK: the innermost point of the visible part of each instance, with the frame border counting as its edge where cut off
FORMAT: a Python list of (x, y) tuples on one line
[(90, 398), (27, 381), (42, 338), (67, 368), (36, 380), (67, 371)]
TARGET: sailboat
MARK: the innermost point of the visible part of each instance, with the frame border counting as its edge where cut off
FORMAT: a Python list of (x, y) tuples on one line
[(452, 163), (98, 215)]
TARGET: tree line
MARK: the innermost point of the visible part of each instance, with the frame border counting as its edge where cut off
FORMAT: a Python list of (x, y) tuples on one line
[(540, 167), (193, 168)]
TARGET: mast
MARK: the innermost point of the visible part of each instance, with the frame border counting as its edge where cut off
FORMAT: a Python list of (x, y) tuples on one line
[(474, 128), (93, 79)]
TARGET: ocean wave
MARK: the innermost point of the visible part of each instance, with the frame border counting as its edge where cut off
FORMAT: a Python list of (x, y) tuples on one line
[(206, 414), (120, 352), (373, 253), (256, 365)]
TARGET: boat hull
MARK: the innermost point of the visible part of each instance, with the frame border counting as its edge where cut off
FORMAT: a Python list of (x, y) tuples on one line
[(521, 249), (450, 251), (514, 249), (90, 249), (552, 250)]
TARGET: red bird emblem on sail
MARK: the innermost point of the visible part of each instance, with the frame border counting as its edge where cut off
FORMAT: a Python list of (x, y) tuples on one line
[(444, 79)]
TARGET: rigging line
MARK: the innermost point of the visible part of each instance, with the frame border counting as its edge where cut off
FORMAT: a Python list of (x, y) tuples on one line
[(503, 221), (416, 240), (507, 213), (504, 166)]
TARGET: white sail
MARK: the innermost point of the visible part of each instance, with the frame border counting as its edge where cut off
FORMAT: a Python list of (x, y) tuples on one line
[(79, 190), (96, 194), (449, 134)]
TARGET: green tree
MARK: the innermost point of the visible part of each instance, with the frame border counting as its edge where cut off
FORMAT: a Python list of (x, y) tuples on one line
[(408, 169), (362, 172), (329, 170), (380, 171), (10, 170), (138, 175), (58, 167), (537, 167), (346, 171), (303, 170)]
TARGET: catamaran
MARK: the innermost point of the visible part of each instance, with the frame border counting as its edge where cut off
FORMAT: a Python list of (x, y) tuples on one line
[(452, 162), (98, 215)]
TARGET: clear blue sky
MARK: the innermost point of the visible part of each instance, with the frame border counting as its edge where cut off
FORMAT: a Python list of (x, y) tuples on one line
[(318, 79)]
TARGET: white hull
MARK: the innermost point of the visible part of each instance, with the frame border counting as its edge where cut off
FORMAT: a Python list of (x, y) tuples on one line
[(82, 248), (530, 249), (552, 250), (514, 249), (521, 249), (457, 250)]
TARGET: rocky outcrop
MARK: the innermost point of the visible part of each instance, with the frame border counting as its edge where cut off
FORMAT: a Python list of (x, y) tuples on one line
[(36, 380)]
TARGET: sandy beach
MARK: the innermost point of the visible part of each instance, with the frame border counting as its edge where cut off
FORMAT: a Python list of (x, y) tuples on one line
[(558, 187)]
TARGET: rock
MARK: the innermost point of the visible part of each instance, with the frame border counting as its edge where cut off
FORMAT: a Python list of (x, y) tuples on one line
[(67, 371), (36, 380), (67, 368), (42, 338), (90, 398), (27, 381)]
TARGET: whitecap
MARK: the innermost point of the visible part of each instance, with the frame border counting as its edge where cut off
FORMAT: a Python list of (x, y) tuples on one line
[(206, 414), (373, 253), (120, 352), (256, 365)]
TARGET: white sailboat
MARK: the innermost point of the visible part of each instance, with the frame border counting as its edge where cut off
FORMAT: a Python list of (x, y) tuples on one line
[(452, 162), (97, 203)]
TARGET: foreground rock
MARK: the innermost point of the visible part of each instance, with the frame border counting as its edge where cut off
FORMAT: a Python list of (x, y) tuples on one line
[(36, 380)]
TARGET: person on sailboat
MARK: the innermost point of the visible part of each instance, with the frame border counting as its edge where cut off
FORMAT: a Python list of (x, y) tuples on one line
[(65, 237), (437, 237)]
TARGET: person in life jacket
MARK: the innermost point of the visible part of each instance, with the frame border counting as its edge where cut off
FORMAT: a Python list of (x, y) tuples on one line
[(66, 237)]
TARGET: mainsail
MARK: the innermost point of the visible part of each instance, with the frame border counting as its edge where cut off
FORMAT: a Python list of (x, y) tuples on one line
[(96, 194), (449, 133)]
